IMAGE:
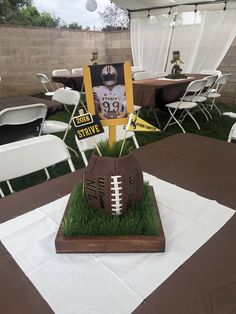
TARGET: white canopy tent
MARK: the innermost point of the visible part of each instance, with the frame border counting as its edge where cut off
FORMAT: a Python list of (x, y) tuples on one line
[(201, 31)]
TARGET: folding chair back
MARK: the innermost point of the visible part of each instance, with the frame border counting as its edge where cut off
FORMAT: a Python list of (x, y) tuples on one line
[(221, 81), (61, 72), (46, 83), (142, 75), (23, 114), (211, 72), (77, 71), (32, 155), (89, 143), (196, 86)]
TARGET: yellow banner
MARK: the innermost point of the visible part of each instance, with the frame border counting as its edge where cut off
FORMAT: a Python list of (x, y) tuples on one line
[(137, 124)]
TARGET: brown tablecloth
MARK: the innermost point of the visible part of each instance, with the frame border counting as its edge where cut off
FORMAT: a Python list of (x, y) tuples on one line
[(204, 284), (13, 133), (157, 92), (73, 81)]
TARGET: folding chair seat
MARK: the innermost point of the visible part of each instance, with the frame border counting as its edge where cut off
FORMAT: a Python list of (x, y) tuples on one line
[(89, 143), (32, 155), (46, 84), (195, 89), (213, 95)]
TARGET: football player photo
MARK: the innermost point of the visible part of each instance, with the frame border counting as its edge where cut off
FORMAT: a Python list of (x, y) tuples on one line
[(110, 98)]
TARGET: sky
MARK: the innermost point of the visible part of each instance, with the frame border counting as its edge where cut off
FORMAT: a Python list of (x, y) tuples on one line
[(73, 11)]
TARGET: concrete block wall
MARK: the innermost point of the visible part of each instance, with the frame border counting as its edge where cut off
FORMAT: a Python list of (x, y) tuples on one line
[(25, 51), (118, 47), (228, 65)]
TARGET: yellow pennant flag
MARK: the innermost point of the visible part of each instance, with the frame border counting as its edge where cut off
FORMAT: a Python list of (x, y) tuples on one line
[(137, 124)]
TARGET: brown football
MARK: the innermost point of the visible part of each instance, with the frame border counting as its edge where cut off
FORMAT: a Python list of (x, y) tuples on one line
[(113, 184)]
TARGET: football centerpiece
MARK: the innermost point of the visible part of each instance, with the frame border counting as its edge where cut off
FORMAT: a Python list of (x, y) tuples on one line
[(112, 209)]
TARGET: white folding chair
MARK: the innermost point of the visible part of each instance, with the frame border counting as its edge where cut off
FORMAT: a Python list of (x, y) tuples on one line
[(232, 133), (46, 84), (31, 155), (77, 71), (60, 72), (213, 95), (89, 143), (211, 72), (23, 114), (142, 75), (194, 88), (202, 97), (69, 98)]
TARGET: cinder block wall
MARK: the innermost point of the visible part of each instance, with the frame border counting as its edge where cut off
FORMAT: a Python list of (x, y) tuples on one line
[(117, 47), (228, 65), (24, 51)]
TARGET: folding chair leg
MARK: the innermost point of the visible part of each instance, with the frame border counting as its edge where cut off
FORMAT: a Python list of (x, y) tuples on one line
[(157, 120), (202, 110), (10, 187), (193, 119), (1, 193), (173, 117), (47, 173), (70, 148)]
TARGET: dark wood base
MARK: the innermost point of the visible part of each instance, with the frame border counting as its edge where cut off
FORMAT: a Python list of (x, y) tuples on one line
[(111, 244)]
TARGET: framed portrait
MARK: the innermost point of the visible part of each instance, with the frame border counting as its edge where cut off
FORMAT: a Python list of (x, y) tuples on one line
[(109, 92)]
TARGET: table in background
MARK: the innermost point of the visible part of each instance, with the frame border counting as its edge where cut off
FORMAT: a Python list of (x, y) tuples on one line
[(13, 133), (205, 283), (158, 92), (73, 81)]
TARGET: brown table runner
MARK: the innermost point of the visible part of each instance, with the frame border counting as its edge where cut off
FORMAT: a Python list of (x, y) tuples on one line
[(204, 284), (157, 92)]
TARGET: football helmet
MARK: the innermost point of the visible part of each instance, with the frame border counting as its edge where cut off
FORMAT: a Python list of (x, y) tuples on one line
[(109, 75)]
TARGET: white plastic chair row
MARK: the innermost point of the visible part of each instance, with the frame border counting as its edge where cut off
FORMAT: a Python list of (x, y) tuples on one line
[(31, 155), (186, 106)]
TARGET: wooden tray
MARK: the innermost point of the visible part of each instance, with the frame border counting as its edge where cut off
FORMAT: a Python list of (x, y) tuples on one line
[(111, 244)]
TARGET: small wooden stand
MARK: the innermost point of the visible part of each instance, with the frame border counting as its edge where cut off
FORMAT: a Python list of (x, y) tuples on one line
[(111, 244)]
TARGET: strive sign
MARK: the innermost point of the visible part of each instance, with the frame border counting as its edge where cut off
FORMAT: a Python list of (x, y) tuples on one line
[(87, 125)]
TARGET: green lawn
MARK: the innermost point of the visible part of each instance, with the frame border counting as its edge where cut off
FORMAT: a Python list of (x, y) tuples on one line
[(218, 128)]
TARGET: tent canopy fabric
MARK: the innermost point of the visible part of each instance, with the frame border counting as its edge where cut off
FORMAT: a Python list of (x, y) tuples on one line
[(133, 5)]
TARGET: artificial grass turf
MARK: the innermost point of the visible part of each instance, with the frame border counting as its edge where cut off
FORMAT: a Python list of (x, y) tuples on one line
[(84, 220)]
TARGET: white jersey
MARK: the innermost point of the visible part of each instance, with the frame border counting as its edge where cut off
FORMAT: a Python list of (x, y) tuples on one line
[(111, 102)]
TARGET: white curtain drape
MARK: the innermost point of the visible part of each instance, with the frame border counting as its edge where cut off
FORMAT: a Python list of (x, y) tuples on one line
[(150, 41), (202, 38)]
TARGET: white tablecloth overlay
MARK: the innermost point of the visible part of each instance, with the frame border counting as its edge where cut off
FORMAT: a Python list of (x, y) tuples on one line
[(110, 283)]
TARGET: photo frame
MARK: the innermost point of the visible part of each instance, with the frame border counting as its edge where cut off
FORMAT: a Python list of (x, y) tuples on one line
[(109, 92)]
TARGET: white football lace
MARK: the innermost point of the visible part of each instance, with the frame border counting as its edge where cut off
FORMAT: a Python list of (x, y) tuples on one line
[(116, 196)]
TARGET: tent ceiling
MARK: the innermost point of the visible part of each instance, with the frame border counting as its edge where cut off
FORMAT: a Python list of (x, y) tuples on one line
[(141, 4)]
